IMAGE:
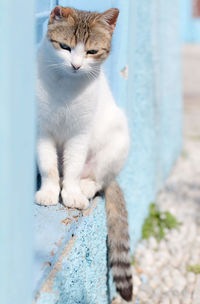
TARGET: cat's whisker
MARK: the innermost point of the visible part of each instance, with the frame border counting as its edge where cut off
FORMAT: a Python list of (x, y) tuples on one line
[(93, 74), (56, 67), (90, 76), (86, 74)]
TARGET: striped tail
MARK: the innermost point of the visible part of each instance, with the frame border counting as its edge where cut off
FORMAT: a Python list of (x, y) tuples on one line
[(118, 240)]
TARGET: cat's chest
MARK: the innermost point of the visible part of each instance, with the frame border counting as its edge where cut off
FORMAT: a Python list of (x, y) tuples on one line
[(62, 114), (66, 107)]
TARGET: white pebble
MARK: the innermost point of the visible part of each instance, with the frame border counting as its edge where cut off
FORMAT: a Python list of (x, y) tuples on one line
[(194, 257), (147, 302), (149, 270), (191, 278), (164, 288), (164, 273), (161, 262), (162, 245), (196, 294), (146, 288), (142, 295), (135, 290), (136, 281), (154, 282), (175, 300), (191, 287), (180, 283), (152, 243), (168, 281), (140, 250), (144, 279), (157, 293), (186, 297), (155, 299), (148, 258), (165, 300)]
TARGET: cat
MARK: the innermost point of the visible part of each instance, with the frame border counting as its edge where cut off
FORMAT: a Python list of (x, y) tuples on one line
[(83, 138)]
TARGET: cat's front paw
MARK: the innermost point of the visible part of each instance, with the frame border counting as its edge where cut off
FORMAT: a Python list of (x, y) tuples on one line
[(89, 187), (47, 196), (74, 199)]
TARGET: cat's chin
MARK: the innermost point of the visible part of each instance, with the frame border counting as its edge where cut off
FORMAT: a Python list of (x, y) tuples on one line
[(71, 73), (78, 73)]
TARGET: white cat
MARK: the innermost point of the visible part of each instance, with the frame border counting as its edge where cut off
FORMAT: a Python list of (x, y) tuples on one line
[(82, 134), (78, 120)]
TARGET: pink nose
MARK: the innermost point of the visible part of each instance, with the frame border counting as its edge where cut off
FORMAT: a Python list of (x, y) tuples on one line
[(75, 67)]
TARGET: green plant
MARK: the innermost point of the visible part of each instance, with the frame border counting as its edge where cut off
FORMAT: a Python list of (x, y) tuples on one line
[(133, 262), (157, 222), (184, 154), (194, 268)]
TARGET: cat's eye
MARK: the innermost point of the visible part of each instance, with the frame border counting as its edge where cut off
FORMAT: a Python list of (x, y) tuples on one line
[(92, 52), (65, 47)]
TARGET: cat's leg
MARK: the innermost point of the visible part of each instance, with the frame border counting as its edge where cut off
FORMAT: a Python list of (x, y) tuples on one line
[(89, 187), (48, 167), (106, 163), (75, 153), (111, 158)]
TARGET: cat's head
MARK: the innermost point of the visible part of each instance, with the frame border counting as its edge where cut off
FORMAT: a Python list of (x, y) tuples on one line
[(81, 40)]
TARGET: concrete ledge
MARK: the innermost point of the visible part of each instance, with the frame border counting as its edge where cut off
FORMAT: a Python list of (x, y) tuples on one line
[(71, 255), (53, 227)]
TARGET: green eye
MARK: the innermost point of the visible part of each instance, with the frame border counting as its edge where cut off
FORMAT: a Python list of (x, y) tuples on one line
[(65, 47), (92, 52)]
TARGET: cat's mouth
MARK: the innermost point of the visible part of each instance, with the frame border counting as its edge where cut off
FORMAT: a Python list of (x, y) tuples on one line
[(74, 72), (77, 72)]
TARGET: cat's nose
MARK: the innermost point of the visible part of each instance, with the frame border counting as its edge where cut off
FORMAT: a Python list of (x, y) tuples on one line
[(75, 66)]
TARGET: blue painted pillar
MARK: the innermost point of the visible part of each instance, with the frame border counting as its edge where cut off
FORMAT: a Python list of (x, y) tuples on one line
[(17, 136)]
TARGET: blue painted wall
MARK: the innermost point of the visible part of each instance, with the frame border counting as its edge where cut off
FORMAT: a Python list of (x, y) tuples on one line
[(190, 26), (17, 157), (153, 105)]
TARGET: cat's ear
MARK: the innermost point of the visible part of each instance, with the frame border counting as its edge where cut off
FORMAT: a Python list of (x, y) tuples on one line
[(110, 17), (60, 12)]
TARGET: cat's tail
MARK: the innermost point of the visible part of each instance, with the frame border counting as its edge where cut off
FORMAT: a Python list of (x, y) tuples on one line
[(118, 240)]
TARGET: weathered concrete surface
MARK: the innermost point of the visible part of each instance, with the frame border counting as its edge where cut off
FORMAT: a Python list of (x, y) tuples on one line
[(82, 266), (53, 228)]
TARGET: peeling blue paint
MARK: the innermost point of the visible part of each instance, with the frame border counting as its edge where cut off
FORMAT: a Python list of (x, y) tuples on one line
[(53, 229), (82, 277)]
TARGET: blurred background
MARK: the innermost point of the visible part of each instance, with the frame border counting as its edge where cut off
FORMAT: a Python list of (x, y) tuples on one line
[(59, 256)]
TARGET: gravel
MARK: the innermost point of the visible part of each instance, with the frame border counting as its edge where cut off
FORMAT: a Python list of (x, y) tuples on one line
[(160, 271)]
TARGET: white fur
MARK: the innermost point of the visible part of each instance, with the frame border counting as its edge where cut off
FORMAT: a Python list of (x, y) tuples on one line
[(79, 120)]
